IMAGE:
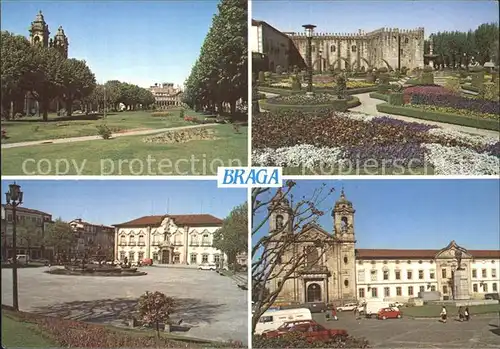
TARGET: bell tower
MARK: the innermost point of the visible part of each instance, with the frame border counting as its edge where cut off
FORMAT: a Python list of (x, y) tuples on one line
[(60, 42), (39, 31), (343, 219), (280, 214)]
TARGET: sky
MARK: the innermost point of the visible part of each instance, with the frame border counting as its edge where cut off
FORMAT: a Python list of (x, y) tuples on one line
[(414, 214), (349, 16), (139, 42), (111, 202)]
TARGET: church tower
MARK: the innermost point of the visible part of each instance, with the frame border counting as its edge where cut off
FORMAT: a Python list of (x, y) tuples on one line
[(280, 214), (343, 219), (39, 31), (60, 42)]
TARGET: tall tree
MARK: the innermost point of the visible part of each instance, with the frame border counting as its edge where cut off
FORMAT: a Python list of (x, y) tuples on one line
[(232, 237), (274, 254), (29, 235), (77, 82), (61, 237)]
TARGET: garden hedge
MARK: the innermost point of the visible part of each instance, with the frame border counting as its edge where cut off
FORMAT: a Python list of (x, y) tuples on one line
[(289, 92), (470, 88), (448, 118), (380, 96), (340, 105)]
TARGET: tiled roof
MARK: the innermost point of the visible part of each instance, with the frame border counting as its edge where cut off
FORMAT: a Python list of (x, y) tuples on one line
[(26, 210), (413, 254), (192, 220)]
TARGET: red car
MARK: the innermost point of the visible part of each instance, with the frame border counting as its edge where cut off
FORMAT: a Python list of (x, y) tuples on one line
[(389, 313), (310, 329)]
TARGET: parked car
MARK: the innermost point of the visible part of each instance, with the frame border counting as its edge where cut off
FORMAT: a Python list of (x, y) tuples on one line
[(312, 331), (397, 305), (285, 328), (316, 307), (21, 259), (389, 313), (347, 307), (207, 266), (493, 296)]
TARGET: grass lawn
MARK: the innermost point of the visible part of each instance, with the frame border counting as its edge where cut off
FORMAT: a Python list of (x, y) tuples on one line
[(34, 129), (355, 172), (127, 155), (435, 310), (16, 334)]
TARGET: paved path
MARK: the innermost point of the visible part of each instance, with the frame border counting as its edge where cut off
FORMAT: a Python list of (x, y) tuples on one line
[(212, 305), (92, 138), (481, 332), (369, 106)]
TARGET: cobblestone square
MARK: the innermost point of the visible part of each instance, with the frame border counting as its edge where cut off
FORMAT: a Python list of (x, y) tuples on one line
[(212, 304)]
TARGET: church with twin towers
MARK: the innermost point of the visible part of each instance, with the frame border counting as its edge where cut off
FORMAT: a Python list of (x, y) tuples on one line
[(40, 35)]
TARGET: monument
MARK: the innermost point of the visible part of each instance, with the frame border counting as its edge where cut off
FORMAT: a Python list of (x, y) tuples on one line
[(460, 281)]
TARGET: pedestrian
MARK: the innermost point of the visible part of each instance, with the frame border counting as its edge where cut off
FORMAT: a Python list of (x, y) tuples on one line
[(461, 314), (467, 314), (334, 313), (443, 314)]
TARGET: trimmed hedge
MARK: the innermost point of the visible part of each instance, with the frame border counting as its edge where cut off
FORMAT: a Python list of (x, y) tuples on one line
[(289, 92), (470, 88), (381, 96), (448, 118), (340, 105), (396, 99)]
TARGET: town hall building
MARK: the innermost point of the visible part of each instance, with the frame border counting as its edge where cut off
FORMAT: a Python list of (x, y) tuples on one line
[(169, 239), (335, 271)]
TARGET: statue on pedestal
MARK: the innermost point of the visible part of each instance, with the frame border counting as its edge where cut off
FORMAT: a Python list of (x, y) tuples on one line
[(458, 257)]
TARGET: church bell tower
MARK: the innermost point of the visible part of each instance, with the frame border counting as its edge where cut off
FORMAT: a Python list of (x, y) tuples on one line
[(60, 42), (343, 219), (39, 31)]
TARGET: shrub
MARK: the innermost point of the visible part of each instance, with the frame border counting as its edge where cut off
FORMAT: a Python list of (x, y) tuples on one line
[(463, 74), (296, 340), (341, 87), (427, 78), (491, 91), (383, 88), (104, 131), (404, 70), (181, 113), (262, 77), (494, 77), (296, 85), (155, 308), (301, 99), (428, 69), (396, 98), (370, 77), (453, 84), (477, 79), (476, 69)]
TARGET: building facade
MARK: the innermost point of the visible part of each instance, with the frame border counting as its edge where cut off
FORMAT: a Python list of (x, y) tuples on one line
[(334, 270), (169, 239), (386, 47), (166, 95), (92, 236), (30, 231)]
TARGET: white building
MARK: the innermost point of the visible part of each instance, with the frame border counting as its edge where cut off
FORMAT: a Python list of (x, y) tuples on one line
[(169, 239)]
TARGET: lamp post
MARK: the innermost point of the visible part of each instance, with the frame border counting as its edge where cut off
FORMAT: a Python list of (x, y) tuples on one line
[(14, 198), (309, 28), (105, 104)]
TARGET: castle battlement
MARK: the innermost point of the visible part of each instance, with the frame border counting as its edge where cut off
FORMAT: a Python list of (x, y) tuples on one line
[(360, 34)]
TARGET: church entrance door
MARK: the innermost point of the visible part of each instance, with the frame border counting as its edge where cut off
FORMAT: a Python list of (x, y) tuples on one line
[(313, 293), (165, 256)]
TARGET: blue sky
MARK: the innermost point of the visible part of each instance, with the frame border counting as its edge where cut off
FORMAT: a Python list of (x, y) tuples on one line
[(140, 42), (111, 202), (349, 16), (416, 214)]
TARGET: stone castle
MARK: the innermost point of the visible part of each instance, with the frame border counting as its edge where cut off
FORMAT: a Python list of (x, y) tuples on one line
[(39, 35), (386, 47)]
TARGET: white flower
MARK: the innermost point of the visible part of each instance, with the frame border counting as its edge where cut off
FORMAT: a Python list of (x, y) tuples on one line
[(464, 137), (303, 155), (461, 161)]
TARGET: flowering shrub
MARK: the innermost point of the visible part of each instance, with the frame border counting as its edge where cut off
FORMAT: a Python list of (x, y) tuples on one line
[(335, 139), (296, 340), (155, 308)]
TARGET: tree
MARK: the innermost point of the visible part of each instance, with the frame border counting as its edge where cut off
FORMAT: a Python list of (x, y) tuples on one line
[(61, 237), (155, 308), (77, 82), (232, 237), (274, 255), (28, 234)]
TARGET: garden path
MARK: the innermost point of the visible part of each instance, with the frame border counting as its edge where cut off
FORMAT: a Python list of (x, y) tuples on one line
[(91, 138), (369, 106)]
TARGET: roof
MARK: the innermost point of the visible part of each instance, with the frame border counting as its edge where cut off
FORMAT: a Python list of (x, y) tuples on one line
[(26, 210), (192, 220), (256, 23), (80, 221), (414, 254)]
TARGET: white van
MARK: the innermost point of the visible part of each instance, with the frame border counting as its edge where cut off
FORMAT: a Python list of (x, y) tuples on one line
[(271, 320), (372, 307)]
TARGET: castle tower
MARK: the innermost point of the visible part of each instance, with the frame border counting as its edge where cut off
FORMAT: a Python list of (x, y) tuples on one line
[(60, 42), (280, 214), (39, 31)]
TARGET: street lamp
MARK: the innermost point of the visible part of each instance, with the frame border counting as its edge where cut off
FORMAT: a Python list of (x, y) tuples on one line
[(309, 28), (14, 198)]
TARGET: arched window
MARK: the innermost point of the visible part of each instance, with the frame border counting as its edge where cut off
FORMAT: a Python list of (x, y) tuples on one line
[(205, 240), (194, 239), (333, 48), (353, 48), (141, 239), (343, 224), (131, 240), (279, 222)]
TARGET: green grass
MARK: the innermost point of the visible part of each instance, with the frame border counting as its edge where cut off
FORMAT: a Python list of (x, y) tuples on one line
[(435, 310), (34, 129), (207, 155), (17, 334)]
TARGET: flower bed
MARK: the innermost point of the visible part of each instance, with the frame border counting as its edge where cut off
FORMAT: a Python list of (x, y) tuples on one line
[(323, 85), (309, 104), (296, 340), (320, 98), (334, 139)]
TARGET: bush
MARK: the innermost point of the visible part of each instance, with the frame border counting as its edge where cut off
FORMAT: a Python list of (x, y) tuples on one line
[(396, 98), (476, 69), (104, 131), (428, 69), (380, 96), (296, 340), (296, 85), (453, 84), (383, 88), (181, 113), (478, 79), (463, 74), (427, 78), (404, 70), (341, 85), (371, 77), (155, 308), (491, 91)]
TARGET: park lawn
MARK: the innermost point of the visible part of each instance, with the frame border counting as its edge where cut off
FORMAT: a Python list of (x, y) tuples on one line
[(126, 156), (434, 310), (18, 334), (34, 129)]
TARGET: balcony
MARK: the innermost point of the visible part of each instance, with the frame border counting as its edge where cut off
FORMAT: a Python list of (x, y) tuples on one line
[(141, 243), (132, 244)]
